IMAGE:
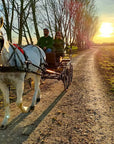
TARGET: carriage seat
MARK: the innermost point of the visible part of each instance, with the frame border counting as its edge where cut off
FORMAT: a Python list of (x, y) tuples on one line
[(51, 59)]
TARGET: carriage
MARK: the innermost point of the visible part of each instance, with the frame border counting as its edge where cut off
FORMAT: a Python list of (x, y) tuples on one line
[(54, 69)]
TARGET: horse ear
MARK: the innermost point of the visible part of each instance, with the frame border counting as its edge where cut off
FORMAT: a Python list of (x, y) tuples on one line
[(1, 22)]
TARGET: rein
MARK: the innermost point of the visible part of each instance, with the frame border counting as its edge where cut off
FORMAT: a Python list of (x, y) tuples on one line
[(29, 62)]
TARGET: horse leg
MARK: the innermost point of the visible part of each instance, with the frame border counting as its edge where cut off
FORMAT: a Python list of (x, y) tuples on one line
[(5, 91), (36, 97), (19, 90)]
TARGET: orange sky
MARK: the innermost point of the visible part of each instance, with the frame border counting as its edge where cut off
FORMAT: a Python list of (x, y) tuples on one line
[(99, 37), (105, 12)]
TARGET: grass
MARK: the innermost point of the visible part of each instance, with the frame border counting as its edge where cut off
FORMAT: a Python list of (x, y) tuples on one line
[(73, 50), (105, 59)]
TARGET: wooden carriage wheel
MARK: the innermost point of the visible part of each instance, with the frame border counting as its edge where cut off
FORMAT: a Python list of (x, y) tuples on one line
[(70, 74), (65, 78)]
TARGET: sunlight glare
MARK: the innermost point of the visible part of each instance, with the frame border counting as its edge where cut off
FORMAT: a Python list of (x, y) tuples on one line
[(106, 30)]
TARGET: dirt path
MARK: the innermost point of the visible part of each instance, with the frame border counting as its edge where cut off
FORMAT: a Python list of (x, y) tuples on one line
[(81, 115)]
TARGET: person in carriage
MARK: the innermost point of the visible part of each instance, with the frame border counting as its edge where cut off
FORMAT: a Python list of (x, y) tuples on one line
[(46, 42), (58, 45), (54, 49)]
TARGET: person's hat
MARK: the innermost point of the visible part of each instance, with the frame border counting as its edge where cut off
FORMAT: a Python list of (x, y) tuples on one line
[(45, 29)]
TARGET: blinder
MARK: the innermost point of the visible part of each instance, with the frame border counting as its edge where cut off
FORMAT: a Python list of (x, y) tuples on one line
[(1, 41)]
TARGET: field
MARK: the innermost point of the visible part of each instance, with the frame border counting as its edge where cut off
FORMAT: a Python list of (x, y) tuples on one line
[(105, 59)]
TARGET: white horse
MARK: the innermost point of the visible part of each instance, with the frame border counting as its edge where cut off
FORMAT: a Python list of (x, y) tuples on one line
[(11, 56)]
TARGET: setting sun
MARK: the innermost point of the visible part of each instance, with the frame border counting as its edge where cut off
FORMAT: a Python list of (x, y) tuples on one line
[(106, 30)]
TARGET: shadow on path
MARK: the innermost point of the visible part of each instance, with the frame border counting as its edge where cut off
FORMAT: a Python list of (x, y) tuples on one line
[(29, 128)]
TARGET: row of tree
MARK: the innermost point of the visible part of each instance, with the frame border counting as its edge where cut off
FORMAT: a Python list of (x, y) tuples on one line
[(76, 19)]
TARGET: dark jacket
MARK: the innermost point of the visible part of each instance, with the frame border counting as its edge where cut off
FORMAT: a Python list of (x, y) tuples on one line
[(45, 42), (58, 45)]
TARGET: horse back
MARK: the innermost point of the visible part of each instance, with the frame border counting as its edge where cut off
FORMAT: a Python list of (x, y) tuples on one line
[(35, 54)]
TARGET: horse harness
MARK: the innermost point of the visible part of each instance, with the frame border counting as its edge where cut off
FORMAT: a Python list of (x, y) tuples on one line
[(14, 53), (27, 62)]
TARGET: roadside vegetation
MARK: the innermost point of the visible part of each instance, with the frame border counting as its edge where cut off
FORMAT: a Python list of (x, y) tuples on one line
[(105, 59)]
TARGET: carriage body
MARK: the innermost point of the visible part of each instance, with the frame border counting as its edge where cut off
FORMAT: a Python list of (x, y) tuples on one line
[(61, 69)]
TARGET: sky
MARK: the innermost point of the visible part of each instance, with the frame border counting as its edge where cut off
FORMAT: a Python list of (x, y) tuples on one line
[(105, 13)]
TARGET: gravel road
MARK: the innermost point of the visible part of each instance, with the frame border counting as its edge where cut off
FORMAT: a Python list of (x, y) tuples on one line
[(81, 115)]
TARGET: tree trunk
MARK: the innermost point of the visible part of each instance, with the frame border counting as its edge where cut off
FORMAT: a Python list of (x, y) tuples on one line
[(33, 4), (7, 28), (21, 24)]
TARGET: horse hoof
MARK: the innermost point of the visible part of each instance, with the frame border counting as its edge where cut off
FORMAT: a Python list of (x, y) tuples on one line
[(31, 108), (37, 100), (2, 127)]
